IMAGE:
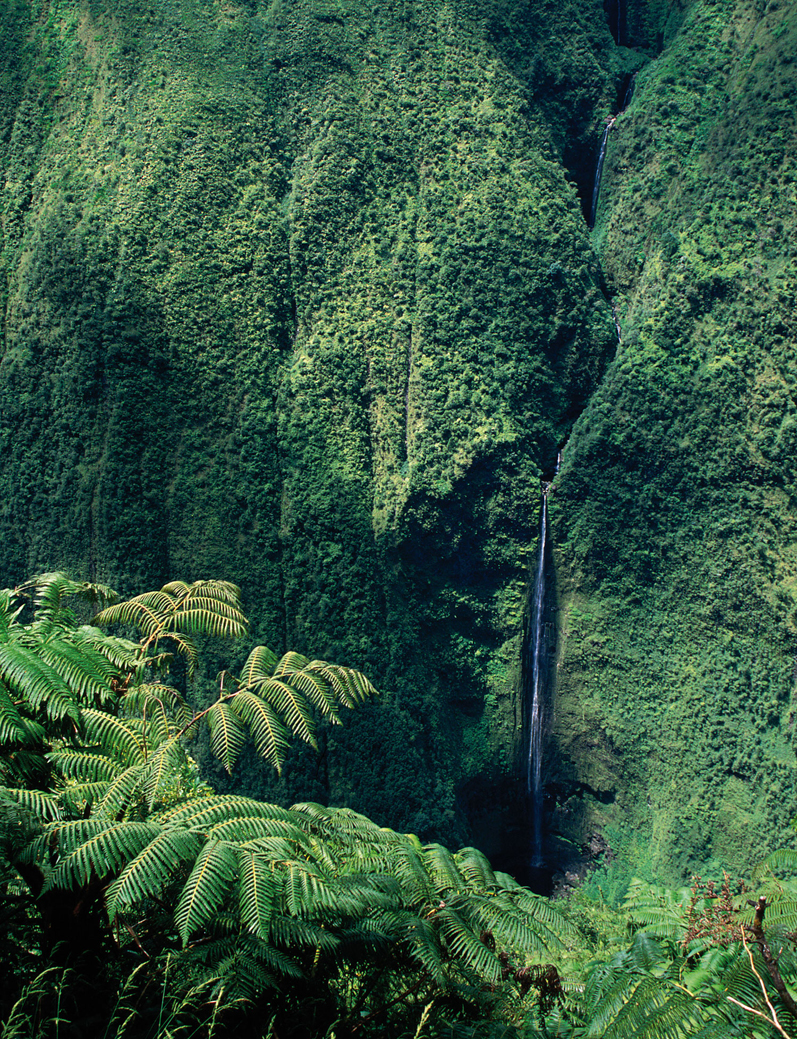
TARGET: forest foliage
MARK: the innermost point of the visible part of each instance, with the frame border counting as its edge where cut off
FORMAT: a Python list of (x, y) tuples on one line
[(137, 902), (303, 293)]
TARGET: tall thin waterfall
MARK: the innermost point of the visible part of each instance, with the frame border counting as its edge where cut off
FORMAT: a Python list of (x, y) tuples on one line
[(599, 172), (537, 655)]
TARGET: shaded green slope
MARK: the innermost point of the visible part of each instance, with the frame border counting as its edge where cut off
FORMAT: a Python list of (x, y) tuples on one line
[(299, 294), (675, 507)]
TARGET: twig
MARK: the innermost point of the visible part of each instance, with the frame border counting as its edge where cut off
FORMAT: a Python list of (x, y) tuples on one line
[(751, 1010)]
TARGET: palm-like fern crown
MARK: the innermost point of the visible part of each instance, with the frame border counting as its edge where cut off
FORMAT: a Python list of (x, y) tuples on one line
[(252, 889)]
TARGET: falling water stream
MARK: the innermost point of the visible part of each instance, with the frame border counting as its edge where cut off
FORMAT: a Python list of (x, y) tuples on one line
[(599, 172), (537, 661)]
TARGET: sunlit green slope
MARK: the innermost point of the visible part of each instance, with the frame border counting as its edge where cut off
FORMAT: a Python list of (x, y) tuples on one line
[(675, 508)]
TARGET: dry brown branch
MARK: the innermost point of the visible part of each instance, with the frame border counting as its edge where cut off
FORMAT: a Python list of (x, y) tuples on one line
[(751, 1010)]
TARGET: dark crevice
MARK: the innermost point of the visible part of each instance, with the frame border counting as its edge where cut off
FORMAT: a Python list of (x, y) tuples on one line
[(616, 18)]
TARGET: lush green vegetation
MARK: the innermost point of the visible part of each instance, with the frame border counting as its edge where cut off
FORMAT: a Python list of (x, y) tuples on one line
[(137, 903), (301, 292)]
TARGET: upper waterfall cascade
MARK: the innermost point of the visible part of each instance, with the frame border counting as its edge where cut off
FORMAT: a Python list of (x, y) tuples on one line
[(538, 659), (599, 172)]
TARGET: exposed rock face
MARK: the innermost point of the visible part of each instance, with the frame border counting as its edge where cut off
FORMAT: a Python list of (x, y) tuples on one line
[(302, 295)]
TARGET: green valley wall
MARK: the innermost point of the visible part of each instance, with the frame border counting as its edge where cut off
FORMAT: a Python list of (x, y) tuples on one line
[(675, 508), (301, 295)]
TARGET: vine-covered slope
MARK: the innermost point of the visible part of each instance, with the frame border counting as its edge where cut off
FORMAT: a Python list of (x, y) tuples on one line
[(301, 294)]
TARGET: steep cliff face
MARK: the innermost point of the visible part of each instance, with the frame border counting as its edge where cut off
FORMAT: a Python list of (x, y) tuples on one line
[(675, 511), (301, 294)]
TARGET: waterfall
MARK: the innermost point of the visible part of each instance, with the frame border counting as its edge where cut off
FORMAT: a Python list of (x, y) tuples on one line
[(537, 652), (598, 172)]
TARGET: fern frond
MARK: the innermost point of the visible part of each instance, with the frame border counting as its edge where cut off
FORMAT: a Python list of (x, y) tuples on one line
[(120, 654), (76, 796), (50, 590), (153, 869), (44, 806), (207, 887), (86, 673), (290, 932), (424, 943), (408, 867), (442, 868), (123, 789), (88, 766), (270, 736), (350, 686), (207, 617), (143, 611), (259, 890), (471, 953), (24, 674), (140, 699), (219, 591), (659, 910), (204, 811), (292, 706), (95, 848), (185, 646), (475, 867), (227, 735), (317, 691), (116, 736), (161, 768), (785, 860), (12, 727), (259, 666)]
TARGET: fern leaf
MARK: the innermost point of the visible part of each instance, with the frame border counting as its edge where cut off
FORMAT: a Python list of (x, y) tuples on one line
[(150, 872), (206, 888), (258, 892), (227, 735), (442, 868), (123, 789), (259, 666), (44, 806), (208, 617), (475, 867), (471, 953), (161, 769), (424, 943), (141, 698), (203, 812), (25, 675), (96, 847), (269, 734), (84, 765), (144, 611), (12, 727), (116, 736), (292, 706), (86, 674)]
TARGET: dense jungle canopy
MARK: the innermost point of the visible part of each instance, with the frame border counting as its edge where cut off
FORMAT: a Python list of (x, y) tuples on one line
[(302, 295)]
